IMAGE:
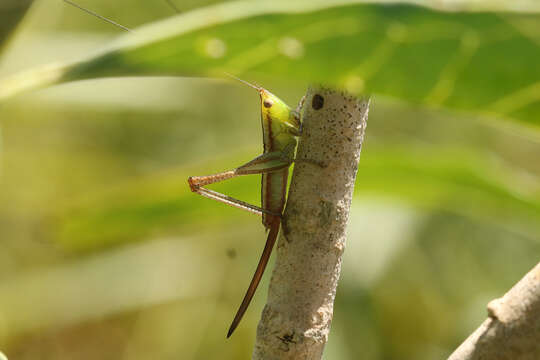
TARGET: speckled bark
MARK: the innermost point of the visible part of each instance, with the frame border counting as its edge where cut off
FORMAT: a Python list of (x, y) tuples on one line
[(512, 330), (296, 319)]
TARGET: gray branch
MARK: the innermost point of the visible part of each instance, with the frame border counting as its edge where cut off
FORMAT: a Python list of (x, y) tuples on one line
[(512, 330), (296, 319)]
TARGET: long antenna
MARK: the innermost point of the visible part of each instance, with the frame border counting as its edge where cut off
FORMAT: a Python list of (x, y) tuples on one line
[(171, 4), (98, 16), (258, 88)]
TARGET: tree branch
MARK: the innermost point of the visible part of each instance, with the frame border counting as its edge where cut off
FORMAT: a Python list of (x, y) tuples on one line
[(512, 330), (296, 319)]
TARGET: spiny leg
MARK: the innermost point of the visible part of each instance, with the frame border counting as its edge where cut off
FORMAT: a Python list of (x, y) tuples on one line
[(196, 182), (298, 110), (214, 195), (298, 114), (264, 163)]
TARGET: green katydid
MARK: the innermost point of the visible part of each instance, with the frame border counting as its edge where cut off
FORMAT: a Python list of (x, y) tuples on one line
[(280, 125)]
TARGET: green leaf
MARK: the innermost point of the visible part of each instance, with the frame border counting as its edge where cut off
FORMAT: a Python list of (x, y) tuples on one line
[(479, 57)]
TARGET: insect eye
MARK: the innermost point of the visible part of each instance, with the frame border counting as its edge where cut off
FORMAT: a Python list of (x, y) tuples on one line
[(268, 103)]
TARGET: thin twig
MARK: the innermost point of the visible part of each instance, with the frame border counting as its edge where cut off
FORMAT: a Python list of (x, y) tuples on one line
[(296, 320), (512, 330)]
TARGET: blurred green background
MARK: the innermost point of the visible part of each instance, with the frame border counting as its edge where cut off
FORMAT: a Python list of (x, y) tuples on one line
[(104, 252)]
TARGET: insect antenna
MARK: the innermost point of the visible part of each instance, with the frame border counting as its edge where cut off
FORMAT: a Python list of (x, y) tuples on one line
[(258, 88), (97, 15)]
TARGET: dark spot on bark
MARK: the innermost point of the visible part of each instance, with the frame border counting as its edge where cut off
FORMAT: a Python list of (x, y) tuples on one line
[(318, 102), (286, 340)]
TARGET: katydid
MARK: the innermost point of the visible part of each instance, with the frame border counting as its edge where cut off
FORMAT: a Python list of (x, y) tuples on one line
[(280, 126)]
